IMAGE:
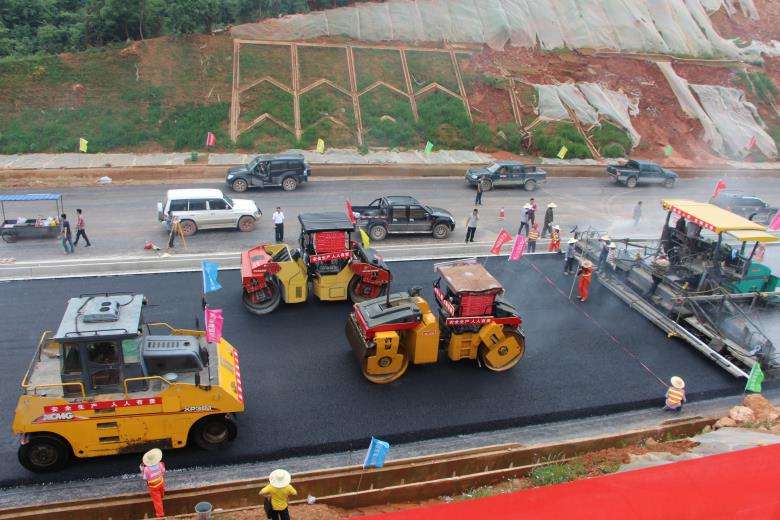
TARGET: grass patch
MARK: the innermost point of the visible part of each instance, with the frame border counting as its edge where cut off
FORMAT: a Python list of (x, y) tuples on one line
[(510, 138), (333, 134), (443, 121), (758, 84), (548, 138), (187, 125), (556, 473), (267, 98), (611, 140), (323, 62), (426, 67), (387, 119), (372, 65), (257, 61), (266, 137), (324, 101)]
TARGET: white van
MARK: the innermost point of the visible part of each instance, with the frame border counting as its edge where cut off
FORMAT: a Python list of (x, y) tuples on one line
[(207, 209)]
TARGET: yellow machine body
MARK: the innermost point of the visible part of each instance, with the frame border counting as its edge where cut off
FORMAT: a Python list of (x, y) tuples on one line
[(105, 424), (422, 342), (332, 287), (501, 348), (292, 276), (386, 359)]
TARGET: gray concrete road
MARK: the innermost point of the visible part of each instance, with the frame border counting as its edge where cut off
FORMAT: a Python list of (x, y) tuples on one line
[(121, 218)]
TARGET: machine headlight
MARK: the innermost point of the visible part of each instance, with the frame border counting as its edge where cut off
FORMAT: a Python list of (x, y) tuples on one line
[(230, 176)]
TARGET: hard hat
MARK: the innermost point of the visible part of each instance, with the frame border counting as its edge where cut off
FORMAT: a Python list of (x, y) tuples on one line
[(612, 245), (605, 238), (552, 205), (678, 382), (557, 227), (572, 240), (587, 264), (279, 478), (152, 457), (527, 206)]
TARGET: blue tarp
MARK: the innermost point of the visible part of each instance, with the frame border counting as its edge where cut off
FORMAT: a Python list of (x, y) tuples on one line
[(25, 197)]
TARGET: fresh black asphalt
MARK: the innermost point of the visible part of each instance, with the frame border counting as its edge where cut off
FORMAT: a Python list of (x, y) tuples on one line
[(304, 390)]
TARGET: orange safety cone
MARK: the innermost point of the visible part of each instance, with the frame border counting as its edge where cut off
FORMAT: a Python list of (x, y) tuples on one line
[(501, 214)]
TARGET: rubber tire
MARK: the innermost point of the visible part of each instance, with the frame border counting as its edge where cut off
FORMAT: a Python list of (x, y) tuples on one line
[(530, 185), (9, 238), (352, 288), (60, 447), (239, 185), (266, 308), (511, 364), (444, 231), (487, 184), (217, 425), (289, 183), (246, 227), (669, 183), (188, 228), (382, 230), (631, 182)]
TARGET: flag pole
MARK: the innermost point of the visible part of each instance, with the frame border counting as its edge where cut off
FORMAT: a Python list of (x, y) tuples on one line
[(574, 281)]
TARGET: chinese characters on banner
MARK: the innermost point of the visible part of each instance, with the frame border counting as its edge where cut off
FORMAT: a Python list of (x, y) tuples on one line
[(102, 405), (518, 248), (502, 238), (214, 322)]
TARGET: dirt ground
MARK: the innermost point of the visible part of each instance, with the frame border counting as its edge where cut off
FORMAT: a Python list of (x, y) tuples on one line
[(765, 29)]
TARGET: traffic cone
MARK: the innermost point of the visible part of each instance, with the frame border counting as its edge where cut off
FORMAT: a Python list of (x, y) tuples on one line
[(501, 214)]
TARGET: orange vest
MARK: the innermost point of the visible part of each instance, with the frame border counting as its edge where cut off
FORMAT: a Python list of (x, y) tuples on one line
[(674, 397)]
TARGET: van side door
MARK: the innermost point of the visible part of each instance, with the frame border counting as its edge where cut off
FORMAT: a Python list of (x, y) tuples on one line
[(220, 213)]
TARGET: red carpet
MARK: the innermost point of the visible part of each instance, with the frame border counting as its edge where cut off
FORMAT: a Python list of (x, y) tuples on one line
[(741, 484)]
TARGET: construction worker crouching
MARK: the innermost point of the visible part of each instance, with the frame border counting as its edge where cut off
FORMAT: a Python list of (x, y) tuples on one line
[(585, 272), (153, 472), (277, 491), (675, 395)]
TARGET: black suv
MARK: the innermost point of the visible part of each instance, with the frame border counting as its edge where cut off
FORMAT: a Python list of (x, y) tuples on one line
[(285, 170), (748, 206)]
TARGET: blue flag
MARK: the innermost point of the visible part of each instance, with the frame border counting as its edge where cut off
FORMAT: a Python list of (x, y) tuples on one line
[(375, 456), (210, 277)]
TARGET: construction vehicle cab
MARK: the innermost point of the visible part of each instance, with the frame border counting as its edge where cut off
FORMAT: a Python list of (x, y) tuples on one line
[(472, 322), (103, 384), (330, 261)]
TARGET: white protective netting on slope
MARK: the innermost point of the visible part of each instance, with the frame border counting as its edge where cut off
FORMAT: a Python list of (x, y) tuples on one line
[(730, 122), (589, 102), (670, 26)]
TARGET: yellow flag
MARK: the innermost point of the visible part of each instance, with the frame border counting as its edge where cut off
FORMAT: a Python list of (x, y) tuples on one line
[(320, 146), (562, 152), (83, 145), (364, 238)]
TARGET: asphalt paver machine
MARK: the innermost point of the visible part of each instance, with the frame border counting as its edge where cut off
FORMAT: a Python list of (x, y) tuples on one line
[(105, 384), (331, 261), (472, 321), (709, 287)]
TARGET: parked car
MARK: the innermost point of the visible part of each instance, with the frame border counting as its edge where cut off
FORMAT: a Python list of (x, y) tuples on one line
[(403, 215), (748, 206), (207, 209), (634, 172), (507, 173), (285, 170)]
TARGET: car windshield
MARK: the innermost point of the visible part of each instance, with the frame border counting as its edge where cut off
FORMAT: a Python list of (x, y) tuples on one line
[(253, 163), (493, 167), (228, 199), (427, 208)]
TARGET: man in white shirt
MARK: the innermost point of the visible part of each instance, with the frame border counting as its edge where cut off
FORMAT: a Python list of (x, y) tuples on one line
[(278, 218)]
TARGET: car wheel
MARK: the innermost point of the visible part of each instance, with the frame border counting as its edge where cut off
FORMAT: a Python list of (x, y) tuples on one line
[(9, 237), (378, 232), (246, 223), (188, 228), (631, 182), (486, 184), (530, 185), (289, 184), (44, 453), (213, 432), (441, 231), (239, 185), (669, 183)]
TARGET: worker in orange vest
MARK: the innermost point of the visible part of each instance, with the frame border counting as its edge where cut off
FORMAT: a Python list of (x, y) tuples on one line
[(675, 395), (555, 240), (585, 272), (153, 472)]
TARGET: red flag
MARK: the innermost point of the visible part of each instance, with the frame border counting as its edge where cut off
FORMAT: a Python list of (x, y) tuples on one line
[(775, 224), (211, 139), (719, 187), (752, 142), (350, 214), (214, 322), (502, 238), (518, 248)]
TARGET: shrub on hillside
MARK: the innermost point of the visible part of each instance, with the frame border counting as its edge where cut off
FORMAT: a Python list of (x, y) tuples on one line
[(549, 138)]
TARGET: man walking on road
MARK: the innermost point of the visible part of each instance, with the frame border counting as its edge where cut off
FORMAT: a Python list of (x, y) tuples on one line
[(80, 229), (471, 225), (65, 234), (637, 213), (478, 198), (548, 219), (524, 219), (278, 218)]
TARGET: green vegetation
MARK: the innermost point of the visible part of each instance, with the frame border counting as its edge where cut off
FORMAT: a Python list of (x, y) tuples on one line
[(267, 98), (257, 61), (610, 140), (557, 473), (387, 119), (426, 67), (758, 84), (443, 121), (512, 140), (323, 62), (266, 137), (548, 138), (372, 65)]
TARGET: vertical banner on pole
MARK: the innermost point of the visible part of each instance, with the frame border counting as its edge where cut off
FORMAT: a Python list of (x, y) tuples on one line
[(210, 277), (376, 454), (214, 321), (502, 238), (518, 248)]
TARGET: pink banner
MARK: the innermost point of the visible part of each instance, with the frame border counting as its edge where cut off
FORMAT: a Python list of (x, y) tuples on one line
[(775, 225), (518, 248), (214, 322), (502, 238), (211, 139)]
